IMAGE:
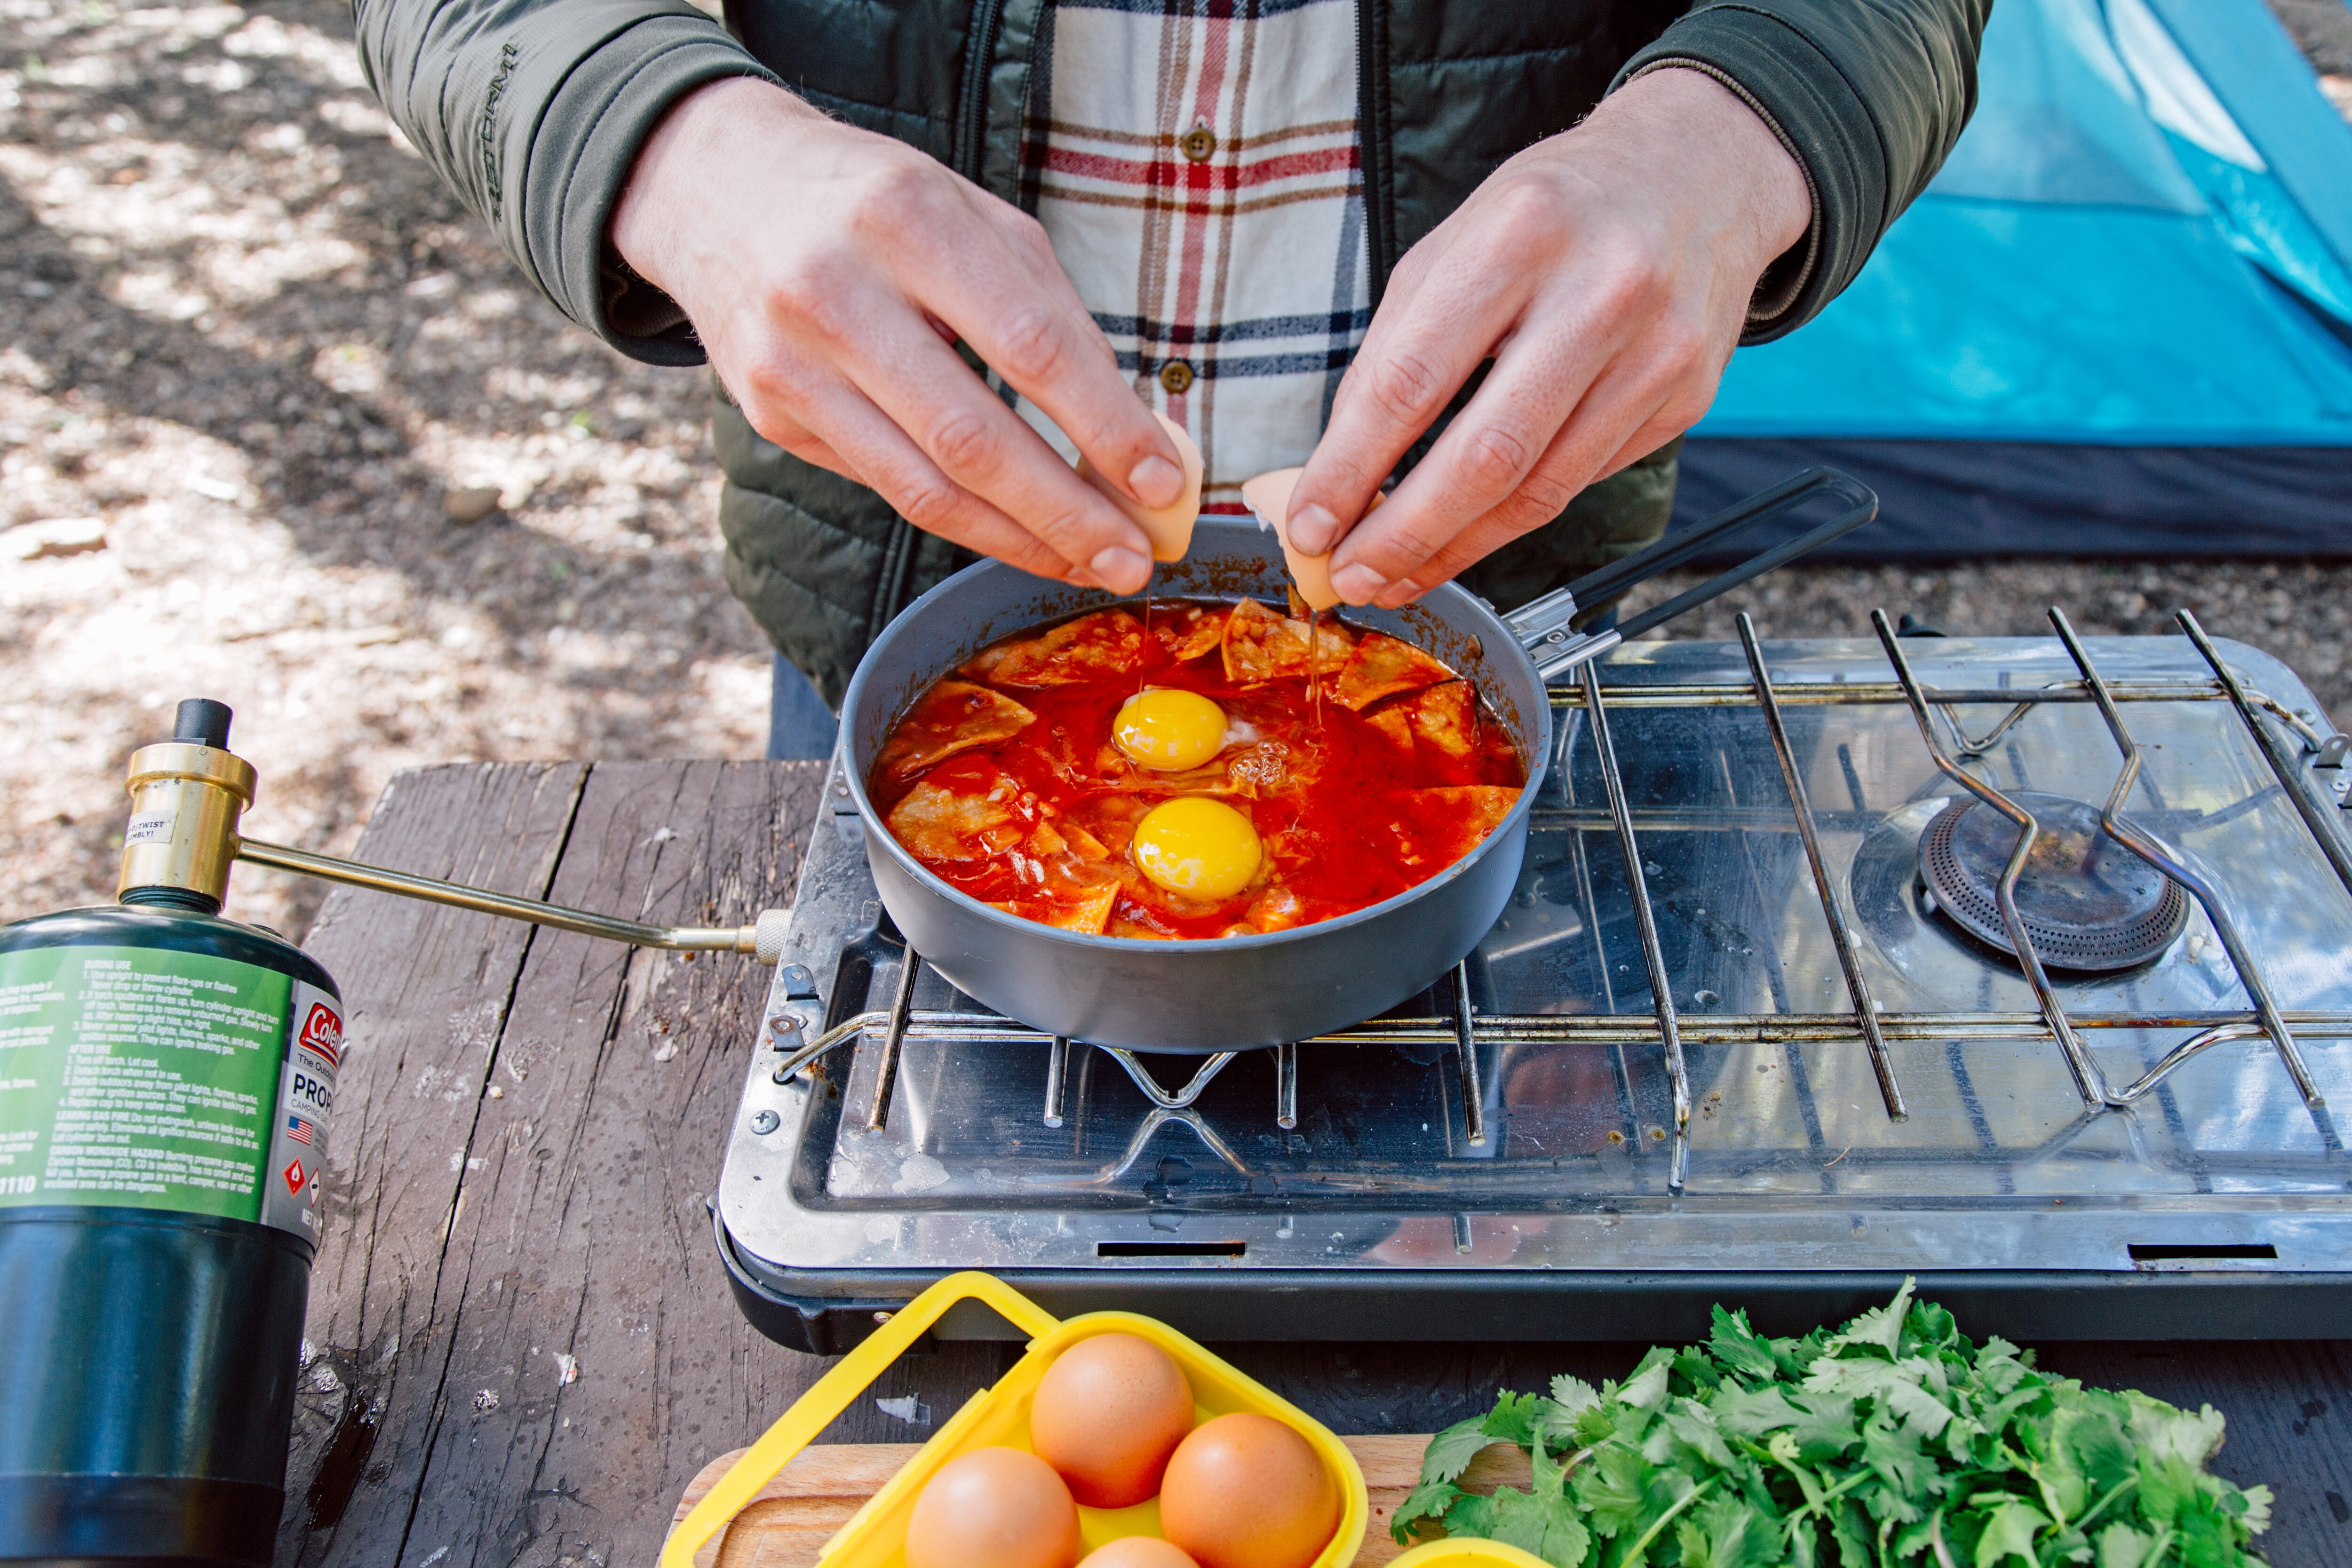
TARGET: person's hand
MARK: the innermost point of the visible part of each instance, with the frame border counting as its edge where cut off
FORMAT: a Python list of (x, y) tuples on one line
[(830, 270), (1607, 272)]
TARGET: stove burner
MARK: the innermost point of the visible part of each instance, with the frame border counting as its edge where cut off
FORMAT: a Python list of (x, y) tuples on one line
[(2088, 902)]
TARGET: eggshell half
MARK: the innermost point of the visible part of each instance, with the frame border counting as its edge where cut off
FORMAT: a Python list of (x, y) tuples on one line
[(1169, 528), (1268, 495)]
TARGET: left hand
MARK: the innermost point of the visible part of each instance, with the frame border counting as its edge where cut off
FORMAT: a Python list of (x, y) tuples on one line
[(1607, 271)]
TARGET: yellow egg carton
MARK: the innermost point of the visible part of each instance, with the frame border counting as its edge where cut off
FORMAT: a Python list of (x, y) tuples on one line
[(876, 1536)]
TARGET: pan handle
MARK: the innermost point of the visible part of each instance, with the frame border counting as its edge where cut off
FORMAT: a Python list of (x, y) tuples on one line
[(1542, 625)]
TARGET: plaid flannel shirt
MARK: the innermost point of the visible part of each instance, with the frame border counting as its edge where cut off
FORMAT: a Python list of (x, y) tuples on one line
[(1196, 167)]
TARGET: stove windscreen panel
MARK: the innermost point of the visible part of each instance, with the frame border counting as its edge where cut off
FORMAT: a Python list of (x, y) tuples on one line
[(1794, 1162)]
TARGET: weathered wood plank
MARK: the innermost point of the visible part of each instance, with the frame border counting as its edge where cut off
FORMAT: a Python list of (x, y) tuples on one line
[(593, 1341), (426, 991)]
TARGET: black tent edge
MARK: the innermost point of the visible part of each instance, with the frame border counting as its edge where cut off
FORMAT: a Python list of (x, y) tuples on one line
[(1954, 501)]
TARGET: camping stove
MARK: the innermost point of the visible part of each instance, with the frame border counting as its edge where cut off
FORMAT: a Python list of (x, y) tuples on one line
[(2016, 964)]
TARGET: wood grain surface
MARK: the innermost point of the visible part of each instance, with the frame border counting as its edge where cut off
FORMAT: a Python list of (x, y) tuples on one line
[(522, 1347), (791, 1518)]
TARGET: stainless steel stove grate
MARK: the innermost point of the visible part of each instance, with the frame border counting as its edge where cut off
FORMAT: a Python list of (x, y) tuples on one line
[(2163, 881)]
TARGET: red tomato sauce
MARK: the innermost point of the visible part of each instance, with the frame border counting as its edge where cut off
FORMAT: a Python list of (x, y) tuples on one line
[(1364, 765)]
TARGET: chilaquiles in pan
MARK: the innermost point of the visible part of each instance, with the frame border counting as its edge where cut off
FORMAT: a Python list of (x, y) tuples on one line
[(1223, 770)]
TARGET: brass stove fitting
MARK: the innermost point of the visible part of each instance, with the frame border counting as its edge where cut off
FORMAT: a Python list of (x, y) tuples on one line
[(185, 799)]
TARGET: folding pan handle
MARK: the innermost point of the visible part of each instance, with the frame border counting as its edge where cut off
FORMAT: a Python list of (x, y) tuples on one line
[(1542, 625)]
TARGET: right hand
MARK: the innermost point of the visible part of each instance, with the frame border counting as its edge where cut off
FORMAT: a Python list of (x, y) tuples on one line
[(829, 271)]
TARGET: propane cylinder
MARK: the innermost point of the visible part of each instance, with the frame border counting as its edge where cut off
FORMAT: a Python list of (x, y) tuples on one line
[(165, 1081)]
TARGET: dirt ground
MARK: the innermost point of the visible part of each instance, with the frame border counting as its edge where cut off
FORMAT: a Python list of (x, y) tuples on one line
[(256, 365)]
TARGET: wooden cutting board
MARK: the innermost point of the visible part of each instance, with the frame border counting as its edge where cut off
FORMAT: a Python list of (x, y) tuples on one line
[(785, 1524)]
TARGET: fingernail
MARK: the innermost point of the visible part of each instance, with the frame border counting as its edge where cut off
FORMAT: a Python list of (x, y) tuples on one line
[(1358, 584), (1398, 595), (1156, 481), (1313, 528), (1123, 571)]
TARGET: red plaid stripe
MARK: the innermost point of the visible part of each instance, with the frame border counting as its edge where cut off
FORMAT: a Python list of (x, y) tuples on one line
[(1239, 254)]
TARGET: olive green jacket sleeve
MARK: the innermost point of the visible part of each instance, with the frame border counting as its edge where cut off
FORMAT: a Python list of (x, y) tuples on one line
[(1869, 97), (532, 110)]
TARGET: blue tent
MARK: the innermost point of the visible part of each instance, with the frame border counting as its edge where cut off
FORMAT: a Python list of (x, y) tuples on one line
[(2119, 323)]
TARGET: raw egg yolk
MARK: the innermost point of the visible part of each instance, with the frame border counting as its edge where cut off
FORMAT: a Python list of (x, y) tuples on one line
[(1169, 729), (1200, 847)]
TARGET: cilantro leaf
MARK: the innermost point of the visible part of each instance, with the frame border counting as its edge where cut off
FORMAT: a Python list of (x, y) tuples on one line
[(1514, 1418), (2089, 1454), (1429, 1502), (2010, 1526), (1754, 1415), (1450, 1452), (1895, 1455), (1897, 1386), (1686, 1427), (1724, 1532), (1613, 1488), (2171, 1434), (1472, 1516), (2121, 1546), (1646, 1389), (1698, 1371), (1547, 1526), (1881, 1328), (1573, 1395), (1741, 1348)]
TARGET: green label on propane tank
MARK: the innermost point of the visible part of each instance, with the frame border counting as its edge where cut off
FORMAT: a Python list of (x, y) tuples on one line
[(139, 1077)]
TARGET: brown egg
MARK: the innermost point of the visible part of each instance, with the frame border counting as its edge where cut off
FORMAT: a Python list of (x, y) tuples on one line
[(1139, 1551), (1246, 1492), (1108, 1413), (994, 1508)]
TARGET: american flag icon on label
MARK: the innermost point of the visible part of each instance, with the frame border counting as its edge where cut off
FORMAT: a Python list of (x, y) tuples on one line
[(300, 1129)]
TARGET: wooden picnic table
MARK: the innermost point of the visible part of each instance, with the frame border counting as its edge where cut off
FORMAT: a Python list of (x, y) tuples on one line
[(521, 1346)]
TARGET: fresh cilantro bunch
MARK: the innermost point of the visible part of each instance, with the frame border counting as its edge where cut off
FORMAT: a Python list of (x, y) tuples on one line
[(1893, 1440)]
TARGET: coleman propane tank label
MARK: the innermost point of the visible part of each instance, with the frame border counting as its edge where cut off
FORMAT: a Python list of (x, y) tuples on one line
[(305, 1093), (144, 1077)]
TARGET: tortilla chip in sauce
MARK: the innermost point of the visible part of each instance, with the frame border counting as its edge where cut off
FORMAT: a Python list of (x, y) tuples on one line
[(937, 824), (1089, 913), (1260, 646), (953, 716), (1186, 632), (1382, 666), (1446, 717), (1108, 643), (1395, 722)]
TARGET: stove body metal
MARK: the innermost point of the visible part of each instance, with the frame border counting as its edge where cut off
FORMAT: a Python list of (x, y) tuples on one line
[(1502, 1157)]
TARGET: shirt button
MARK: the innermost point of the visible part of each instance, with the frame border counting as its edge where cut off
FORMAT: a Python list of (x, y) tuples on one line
[(1176, 376), (1198, 143)]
